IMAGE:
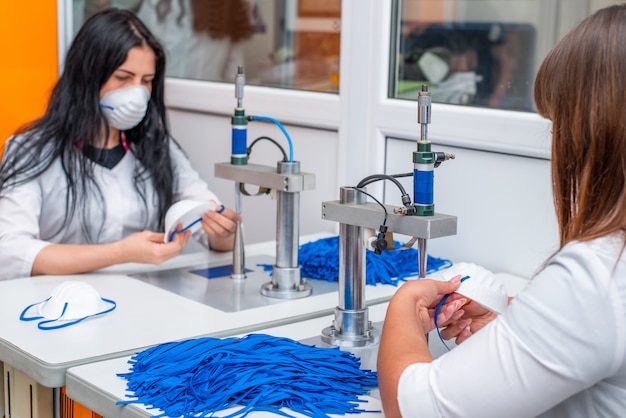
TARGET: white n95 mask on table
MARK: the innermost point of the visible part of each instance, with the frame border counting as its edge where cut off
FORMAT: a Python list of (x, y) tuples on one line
[(70, 302), (124, 108)]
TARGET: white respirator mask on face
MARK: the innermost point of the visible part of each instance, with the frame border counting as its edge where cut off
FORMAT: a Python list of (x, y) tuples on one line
[(70, 302), (125, 108)]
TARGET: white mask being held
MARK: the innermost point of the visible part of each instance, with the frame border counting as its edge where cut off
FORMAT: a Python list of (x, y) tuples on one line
[(125, 108)]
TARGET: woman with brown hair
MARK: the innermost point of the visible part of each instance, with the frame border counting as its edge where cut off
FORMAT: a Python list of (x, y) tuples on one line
[(560, 348)]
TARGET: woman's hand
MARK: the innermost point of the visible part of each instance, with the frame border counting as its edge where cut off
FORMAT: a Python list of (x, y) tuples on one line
[(429, 293), (220, 228), (148, 247), (141, 247), (410, 316), (462, 327)]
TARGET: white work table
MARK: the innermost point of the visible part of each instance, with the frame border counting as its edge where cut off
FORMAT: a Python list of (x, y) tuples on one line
[(98, 386), (146, 315)]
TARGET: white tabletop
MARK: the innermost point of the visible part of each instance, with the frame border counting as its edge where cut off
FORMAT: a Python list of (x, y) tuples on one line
[(145, 315)]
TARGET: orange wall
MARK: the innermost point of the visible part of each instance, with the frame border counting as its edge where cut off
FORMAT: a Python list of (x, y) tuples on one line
[(28, 61)]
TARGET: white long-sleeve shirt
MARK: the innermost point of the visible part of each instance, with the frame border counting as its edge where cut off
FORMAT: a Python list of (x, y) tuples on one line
[(558, 351), (32, 214)]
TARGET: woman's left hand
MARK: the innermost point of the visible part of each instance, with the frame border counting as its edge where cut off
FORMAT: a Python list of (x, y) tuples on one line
[(220, 228)]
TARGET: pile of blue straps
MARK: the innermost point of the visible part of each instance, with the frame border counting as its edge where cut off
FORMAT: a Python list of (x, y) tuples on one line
[(258, 372), (320, 260)]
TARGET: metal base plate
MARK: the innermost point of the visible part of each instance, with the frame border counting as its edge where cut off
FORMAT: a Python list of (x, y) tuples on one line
[(269, 290), (224, 293), (368, 353), (329, 336)]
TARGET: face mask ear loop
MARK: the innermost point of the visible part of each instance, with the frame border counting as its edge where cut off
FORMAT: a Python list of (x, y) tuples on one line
[(42, 325), (23, 316), (439, 305), (175, 231)]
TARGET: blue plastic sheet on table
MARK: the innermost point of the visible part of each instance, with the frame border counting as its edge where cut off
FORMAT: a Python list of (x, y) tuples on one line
[(200, 377), (215, 272), (320, 260)]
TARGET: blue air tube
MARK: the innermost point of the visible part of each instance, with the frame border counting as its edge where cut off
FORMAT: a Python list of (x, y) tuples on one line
[(282, 128)]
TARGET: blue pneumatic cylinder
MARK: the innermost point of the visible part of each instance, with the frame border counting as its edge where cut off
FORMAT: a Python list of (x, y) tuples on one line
[(423, 184), (239, 123)]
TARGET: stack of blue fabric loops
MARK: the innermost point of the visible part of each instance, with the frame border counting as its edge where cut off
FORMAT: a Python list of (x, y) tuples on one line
[(320, 260), (202, 376)]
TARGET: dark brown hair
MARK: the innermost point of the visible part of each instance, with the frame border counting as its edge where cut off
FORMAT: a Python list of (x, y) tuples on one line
[(581, 88), (74, 115)]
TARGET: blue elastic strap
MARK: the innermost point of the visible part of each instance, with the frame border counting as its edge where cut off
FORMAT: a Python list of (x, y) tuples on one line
[(42, 325), (175, 231), (439, 305), (202, 376)]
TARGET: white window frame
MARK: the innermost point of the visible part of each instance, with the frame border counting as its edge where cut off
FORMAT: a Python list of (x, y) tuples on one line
[(361, 113)]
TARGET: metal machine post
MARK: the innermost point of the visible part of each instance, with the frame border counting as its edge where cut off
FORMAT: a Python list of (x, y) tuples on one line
[(287, 181), (287, 282), (351, 326), (239, 256), (424, 163)]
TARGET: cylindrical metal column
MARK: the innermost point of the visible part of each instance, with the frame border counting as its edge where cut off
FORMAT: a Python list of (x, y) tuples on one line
[(351, 256), (287, 220), (351, 326), (286, 279)]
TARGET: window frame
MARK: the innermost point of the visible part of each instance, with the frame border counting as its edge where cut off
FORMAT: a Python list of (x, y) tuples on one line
[(361, 113)]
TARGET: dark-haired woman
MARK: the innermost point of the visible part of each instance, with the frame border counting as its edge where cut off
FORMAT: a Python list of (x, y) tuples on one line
[(560, 348), (86, 186)]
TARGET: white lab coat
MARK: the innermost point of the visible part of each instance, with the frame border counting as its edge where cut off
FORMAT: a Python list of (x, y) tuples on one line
[(32, 214), (558, 351)]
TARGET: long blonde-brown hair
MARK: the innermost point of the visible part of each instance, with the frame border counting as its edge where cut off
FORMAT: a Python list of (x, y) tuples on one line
[(581, 88)]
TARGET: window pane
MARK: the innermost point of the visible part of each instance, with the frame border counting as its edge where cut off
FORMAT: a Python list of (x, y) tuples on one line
[(479, 52), (281, 43)]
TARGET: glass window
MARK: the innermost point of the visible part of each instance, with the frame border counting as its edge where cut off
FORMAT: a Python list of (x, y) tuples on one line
[(478, 52), (281, 43)]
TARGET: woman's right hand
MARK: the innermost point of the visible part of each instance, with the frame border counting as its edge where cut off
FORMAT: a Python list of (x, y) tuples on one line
[(149, 247)]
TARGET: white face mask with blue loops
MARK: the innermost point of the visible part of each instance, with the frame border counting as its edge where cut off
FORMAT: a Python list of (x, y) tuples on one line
[(70, 303), (125, 108)]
